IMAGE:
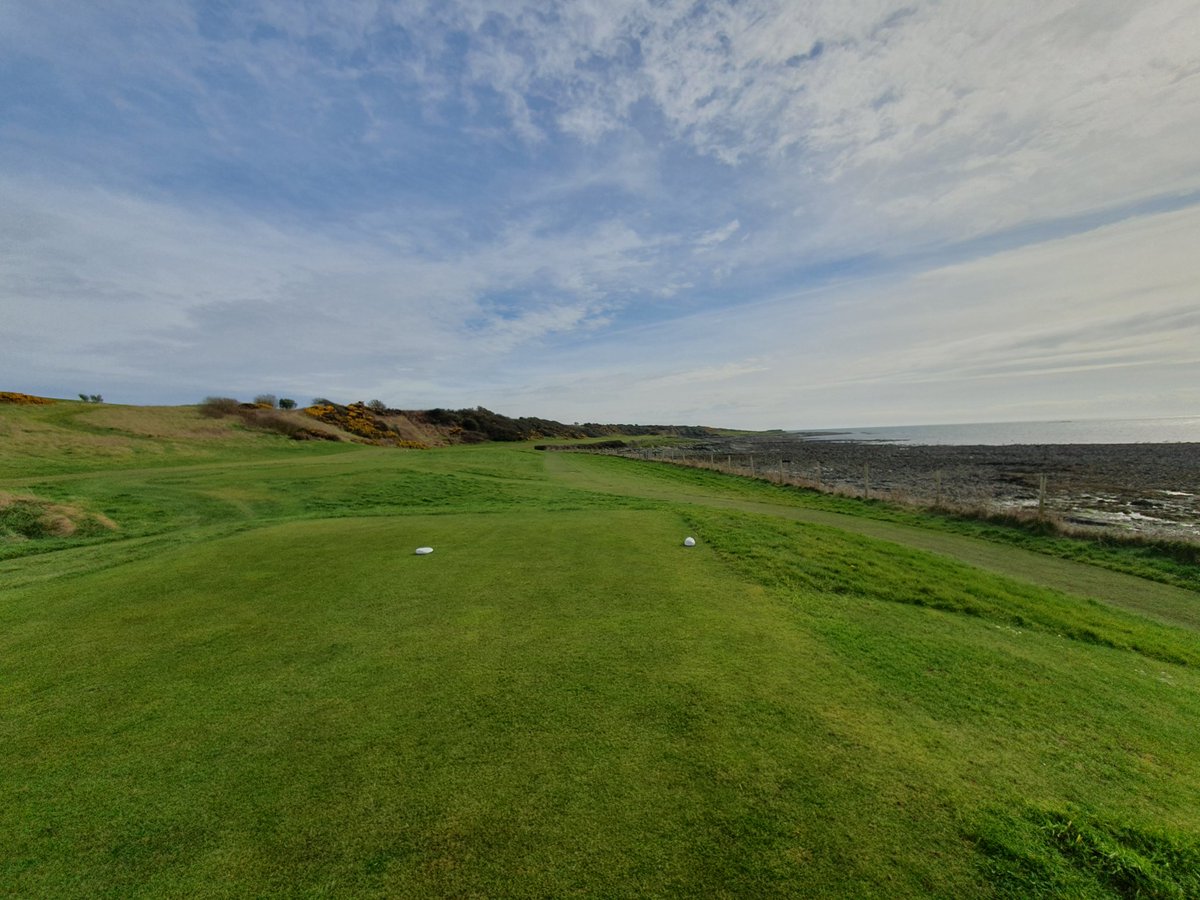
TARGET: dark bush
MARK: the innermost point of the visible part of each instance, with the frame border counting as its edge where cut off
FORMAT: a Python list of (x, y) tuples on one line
[(217, 407), (266, 420)]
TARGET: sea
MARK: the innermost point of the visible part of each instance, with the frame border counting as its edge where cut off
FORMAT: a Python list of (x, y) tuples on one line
[(1178, 429)]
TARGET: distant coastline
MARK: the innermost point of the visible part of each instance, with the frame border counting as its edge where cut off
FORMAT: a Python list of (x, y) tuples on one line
[(1173, 430)]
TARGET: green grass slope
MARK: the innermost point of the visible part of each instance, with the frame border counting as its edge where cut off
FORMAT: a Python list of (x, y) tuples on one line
[(253, 687), (68, 437)]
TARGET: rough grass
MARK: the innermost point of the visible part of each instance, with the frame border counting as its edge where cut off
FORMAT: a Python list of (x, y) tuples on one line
[(1174, 562), (73, 437), (255, 688), (1059, 853), (813, 557), (24, 518)]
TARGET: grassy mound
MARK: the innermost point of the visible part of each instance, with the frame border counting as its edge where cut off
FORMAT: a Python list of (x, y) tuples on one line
[(25, 518)]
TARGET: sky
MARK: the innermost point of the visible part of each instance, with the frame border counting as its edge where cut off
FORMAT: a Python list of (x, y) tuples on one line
[(757, 214)]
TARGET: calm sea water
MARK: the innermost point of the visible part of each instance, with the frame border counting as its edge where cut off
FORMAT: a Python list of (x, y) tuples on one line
[(1081, 431)]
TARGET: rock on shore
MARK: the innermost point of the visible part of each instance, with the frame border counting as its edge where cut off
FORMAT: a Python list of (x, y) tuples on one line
[(1149, 488)]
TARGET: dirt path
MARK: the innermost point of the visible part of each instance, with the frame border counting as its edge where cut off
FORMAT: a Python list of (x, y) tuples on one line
[(1164, 603)]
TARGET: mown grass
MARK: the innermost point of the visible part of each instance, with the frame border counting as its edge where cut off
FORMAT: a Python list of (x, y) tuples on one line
[(368, 481), (255, 688)]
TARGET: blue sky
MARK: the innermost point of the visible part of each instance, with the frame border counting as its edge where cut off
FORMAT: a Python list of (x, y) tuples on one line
[(758, 214)]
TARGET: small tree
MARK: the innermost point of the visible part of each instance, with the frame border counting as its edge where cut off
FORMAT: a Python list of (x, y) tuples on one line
[(84, 398), (267, 400), (377, 406), (287, 403), (95, 398)]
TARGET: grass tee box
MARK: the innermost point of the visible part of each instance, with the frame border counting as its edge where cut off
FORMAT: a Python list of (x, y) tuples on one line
[(311, 706), (254, 687)]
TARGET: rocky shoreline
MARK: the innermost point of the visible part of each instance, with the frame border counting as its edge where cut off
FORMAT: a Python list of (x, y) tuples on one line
[(1151, 489)]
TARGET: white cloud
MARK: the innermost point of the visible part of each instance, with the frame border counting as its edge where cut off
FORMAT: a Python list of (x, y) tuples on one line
[(138, 288), (718, 235), (1101, 324), (935, 119), (345, 189)]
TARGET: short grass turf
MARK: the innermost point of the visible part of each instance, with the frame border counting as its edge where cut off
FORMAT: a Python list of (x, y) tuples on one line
[(255, 688), (552, 703), (548, 704)]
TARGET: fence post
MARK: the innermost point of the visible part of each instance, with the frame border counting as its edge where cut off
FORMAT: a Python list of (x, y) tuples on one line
[(866, 481), (1041, 495), (937, 489)]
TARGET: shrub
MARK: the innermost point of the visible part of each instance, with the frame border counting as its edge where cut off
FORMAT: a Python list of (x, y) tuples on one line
[(267, 401), (377, 406), (287, 403), (217, 407), (267, 420), (24, 399), (359, 421)]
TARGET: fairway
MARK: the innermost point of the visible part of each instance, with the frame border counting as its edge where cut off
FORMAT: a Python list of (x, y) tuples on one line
[(254, 687)]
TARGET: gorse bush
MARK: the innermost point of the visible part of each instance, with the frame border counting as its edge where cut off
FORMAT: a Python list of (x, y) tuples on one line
[(359, 421), (18, 399)]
